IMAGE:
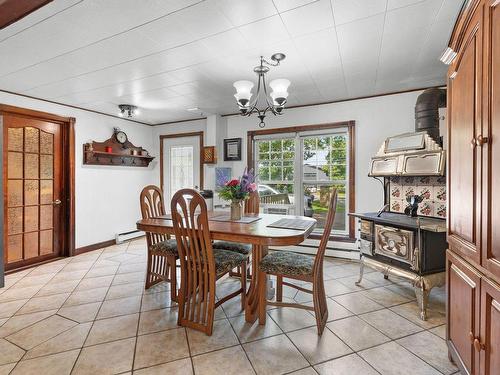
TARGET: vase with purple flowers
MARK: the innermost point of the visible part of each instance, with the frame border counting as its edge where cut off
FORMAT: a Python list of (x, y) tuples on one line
[(238, 190)]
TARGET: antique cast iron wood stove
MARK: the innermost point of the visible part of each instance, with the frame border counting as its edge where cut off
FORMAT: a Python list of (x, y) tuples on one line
[(413, 164)]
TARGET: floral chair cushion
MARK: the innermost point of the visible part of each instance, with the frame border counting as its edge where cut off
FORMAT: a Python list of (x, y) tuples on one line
[(169, 247), (226, 260), (242, 248), (287, 263)]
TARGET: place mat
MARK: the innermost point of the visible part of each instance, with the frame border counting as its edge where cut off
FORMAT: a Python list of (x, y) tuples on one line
[(243, 220), (297, 224)]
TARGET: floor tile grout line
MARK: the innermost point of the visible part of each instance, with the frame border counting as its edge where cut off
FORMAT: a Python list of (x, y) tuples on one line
[(21, 359), (229, 318)]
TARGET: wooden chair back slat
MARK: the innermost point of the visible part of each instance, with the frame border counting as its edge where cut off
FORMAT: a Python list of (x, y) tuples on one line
[(275, 199), (198, 273), (320, 255), (252, 204), (152, 205)]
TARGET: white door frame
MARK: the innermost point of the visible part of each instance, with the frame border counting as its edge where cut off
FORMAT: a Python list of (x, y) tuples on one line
[(163, 137)]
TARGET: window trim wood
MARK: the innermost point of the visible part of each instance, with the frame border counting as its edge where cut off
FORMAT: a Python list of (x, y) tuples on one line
[(350, 125)]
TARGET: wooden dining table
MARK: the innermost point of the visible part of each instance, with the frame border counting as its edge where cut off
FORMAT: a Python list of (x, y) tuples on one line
[(257, 233)]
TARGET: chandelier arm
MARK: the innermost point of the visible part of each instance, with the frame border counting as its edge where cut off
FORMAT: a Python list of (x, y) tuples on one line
[(264, 61), (269, 104)]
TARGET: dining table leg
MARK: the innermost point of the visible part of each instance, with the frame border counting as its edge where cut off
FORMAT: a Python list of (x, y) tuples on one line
[(252, 305)]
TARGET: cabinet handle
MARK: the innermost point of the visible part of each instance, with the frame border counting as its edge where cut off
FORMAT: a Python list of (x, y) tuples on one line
[(471, 337), (478, 345), (473, 143), (480, 140)]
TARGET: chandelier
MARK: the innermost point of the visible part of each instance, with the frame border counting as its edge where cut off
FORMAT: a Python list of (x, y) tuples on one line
[(274, 102)]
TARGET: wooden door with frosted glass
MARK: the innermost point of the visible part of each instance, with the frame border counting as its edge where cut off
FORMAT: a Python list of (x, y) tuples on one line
[(32, 190)]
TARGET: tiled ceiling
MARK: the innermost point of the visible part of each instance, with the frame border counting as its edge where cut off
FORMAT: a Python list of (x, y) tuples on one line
[(166, 56)]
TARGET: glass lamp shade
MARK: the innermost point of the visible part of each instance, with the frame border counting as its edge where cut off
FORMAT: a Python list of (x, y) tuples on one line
[(279, 85), (243, 86), (279, 98), (243, 92)]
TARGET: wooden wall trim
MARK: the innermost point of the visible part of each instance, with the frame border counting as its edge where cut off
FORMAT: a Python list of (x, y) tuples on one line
[(181, 135), (12, 11), (350, 125), (94, 246)]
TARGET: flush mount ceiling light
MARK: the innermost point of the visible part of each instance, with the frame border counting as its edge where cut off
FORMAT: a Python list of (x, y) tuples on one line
[(274, 102), (127, 110)]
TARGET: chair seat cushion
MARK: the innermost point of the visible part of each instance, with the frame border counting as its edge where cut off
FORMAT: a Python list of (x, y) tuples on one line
[(242, 248), (226, 260), (169, 247), (287, 263)]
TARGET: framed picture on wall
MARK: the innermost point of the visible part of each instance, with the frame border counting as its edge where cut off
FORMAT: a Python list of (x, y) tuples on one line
[(232, 149), (222, 175)]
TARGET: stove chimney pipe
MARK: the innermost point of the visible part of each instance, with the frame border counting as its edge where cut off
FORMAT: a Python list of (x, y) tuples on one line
[(427, 112)]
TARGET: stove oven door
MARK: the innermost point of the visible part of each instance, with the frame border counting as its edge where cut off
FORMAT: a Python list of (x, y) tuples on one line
[(394, 243)]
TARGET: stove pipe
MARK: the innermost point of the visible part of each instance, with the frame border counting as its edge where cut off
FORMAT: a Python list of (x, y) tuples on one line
[(427, 112)]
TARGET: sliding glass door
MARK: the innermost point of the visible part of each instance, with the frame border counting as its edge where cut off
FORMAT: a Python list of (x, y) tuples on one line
[(324, 168), (297, 173)]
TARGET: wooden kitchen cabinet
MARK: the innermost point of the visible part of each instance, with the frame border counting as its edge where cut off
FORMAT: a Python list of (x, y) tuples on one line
[(464, 156), (463, 310), (473, 258), (490, 257), (487, 343)]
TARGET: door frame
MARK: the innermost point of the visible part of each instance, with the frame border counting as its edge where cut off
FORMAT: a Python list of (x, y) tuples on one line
[(350, 126), (68, 176), (181, 135)]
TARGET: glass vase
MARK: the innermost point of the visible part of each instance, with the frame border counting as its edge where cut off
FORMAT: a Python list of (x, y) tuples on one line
[(236, 210)]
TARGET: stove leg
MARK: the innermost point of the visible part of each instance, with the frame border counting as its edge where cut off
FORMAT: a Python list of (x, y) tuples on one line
[(422, 300), (361, 270)]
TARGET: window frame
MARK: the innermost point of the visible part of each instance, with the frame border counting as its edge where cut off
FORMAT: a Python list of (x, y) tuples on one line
[(312, 130)]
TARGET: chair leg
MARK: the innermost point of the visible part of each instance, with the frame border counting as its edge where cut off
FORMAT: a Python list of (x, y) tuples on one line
[(320, 305), (173, 278), (243, 285), (148, 271), (262, 285), (279, 288)]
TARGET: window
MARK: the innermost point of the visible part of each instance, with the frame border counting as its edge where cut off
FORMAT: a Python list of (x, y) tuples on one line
[(181, 171), (309, 165)]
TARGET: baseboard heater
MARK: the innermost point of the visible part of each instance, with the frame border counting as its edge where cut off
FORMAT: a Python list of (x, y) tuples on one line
[(127, 236)]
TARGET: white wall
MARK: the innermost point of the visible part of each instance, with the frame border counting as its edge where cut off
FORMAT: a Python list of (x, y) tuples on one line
[(107, 198), (376, 119)]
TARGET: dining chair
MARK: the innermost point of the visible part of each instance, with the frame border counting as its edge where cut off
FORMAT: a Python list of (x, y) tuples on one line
[(201, 264), (162, 250), (252, 205), (287, 264)]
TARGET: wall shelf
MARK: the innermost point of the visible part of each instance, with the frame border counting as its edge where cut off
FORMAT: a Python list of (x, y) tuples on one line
[(118, 154)]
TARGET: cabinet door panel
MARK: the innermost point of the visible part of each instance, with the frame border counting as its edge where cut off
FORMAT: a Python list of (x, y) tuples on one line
[(463, 285), (491, 251), (490, 327), (464, 158)]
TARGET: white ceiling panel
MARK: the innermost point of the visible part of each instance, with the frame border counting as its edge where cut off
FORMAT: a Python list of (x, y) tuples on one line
[(345, 11), (241, 12), (267, 31), (166, 56), (360, 42), (284, 5), (309, 18)]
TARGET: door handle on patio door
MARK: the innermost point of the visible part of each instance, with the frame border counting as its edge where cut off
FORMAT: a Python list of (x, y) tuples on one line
[(57, 202)]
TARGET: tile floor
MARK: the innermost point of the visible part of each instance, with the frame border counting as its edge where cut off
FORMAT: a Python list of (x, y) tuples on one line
[(90, 315)]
